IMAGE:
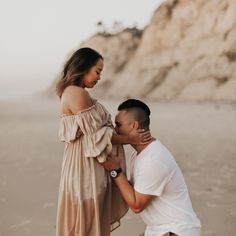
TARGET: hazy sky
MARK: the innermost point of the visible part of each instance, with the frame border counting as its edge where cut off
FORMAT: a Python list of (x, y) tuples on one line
[(37, 35)]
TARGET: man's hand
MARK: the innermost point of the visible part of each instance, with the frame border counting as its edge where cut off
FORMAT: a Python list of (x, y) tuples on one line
[(113, 161)]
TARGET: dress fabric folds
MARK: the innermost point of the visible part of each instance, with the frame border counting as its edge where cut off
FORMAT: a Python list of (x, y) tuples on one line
[(89, 203)]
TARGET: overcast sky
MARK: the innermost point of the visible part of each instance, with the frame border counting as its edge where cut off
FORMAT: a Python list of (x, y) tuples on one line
[(37, 35)]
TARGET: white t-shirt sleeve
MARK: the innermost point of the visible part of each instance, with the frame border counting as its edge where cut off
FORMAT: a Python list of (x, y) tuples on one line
[(151, 178)]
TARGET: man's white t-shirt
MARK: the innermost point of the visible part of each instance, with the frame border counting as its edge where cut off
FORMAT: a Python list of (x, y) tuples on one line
[(154, 171)]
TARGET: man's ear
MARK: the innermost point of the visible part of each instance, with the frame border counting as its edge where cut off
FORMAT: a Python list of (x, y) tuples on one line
[(136, 125)]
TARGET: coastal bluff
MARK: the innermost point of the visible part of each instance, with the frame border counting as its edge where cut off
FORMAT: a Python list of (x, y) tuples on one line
[(187, 52)]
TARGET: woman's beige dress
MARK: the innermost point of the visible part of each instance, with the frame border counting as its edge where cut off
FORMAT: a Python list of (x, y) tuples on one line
[(89, 202)]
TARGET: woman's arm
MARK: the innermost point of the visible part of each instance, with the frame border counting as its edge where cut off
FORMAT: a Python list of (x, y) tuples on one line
[(120, 139), (136, 137)]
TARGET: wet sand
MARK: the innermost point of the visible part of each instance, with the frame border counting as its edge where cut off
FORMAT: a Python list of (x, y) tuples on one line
[(202, 137)]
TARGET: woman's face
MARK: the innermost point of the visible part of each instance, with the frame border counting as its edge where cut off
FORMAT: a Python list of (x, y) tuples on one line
[(94, 74)]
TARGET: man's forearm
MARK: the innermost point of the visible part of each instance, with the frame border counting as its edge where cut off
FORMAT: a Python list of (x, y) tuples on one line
[(127, 192)]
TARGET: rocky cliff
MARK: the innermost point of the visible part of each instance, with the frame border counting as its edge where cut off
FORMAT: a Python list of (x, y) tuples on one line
[(187, 52)]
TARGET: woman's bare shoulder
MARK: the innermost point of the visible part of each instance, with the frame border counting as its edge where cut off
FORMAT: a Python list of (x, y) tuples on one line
[(76, 99), (73, 90)]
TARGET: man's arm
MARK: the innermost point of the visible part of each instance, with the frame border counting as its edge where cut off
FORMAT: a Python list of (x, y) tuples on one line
[(135, 200)]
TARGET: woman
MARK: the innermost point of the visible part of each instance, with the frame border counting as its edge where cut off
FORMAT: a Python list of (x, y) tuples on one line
[(89, 204)]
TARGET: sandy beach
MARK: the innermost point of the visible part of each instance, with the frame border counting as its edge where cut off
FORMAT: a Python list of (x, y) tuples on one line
[(201, 136)]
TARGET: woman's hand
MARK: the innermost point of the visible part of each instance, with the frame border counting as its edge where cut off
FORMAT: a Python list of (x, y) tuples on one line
[(139, 136)]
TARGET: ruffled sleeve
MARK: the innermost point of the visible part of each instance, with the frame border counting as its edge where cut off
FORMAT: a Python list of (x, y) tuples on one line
[(93, 127)]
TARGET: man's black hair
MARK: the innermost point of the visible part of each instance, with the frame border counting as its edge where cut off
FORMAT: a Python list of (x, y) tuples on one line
[(140, 111), (134, 103)]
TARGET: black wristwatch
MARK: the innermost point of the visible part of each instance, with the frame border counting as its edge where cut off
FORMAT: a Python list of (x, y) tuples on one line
[(115, 173)]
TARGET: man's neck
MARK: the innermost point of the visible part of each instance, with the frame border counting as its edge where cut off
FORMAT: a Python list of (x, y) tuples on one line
[(140, 147)]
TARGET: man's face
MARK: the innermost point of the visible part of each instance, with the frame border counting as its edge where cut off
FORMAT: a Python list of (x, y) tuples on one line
[(124, 123)]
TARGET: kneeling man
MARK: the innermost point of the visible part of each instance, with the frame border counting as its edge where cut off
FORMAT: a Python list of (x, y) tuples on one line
[(157, 189)]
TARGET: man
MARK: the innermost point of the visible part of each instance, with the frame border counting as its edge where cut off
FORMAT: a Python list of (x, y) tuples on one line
[(157, 190)]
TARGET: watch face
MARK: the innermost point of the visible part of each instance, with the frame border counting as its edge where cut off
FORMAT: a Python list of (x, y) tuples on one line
[(113, 173)]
